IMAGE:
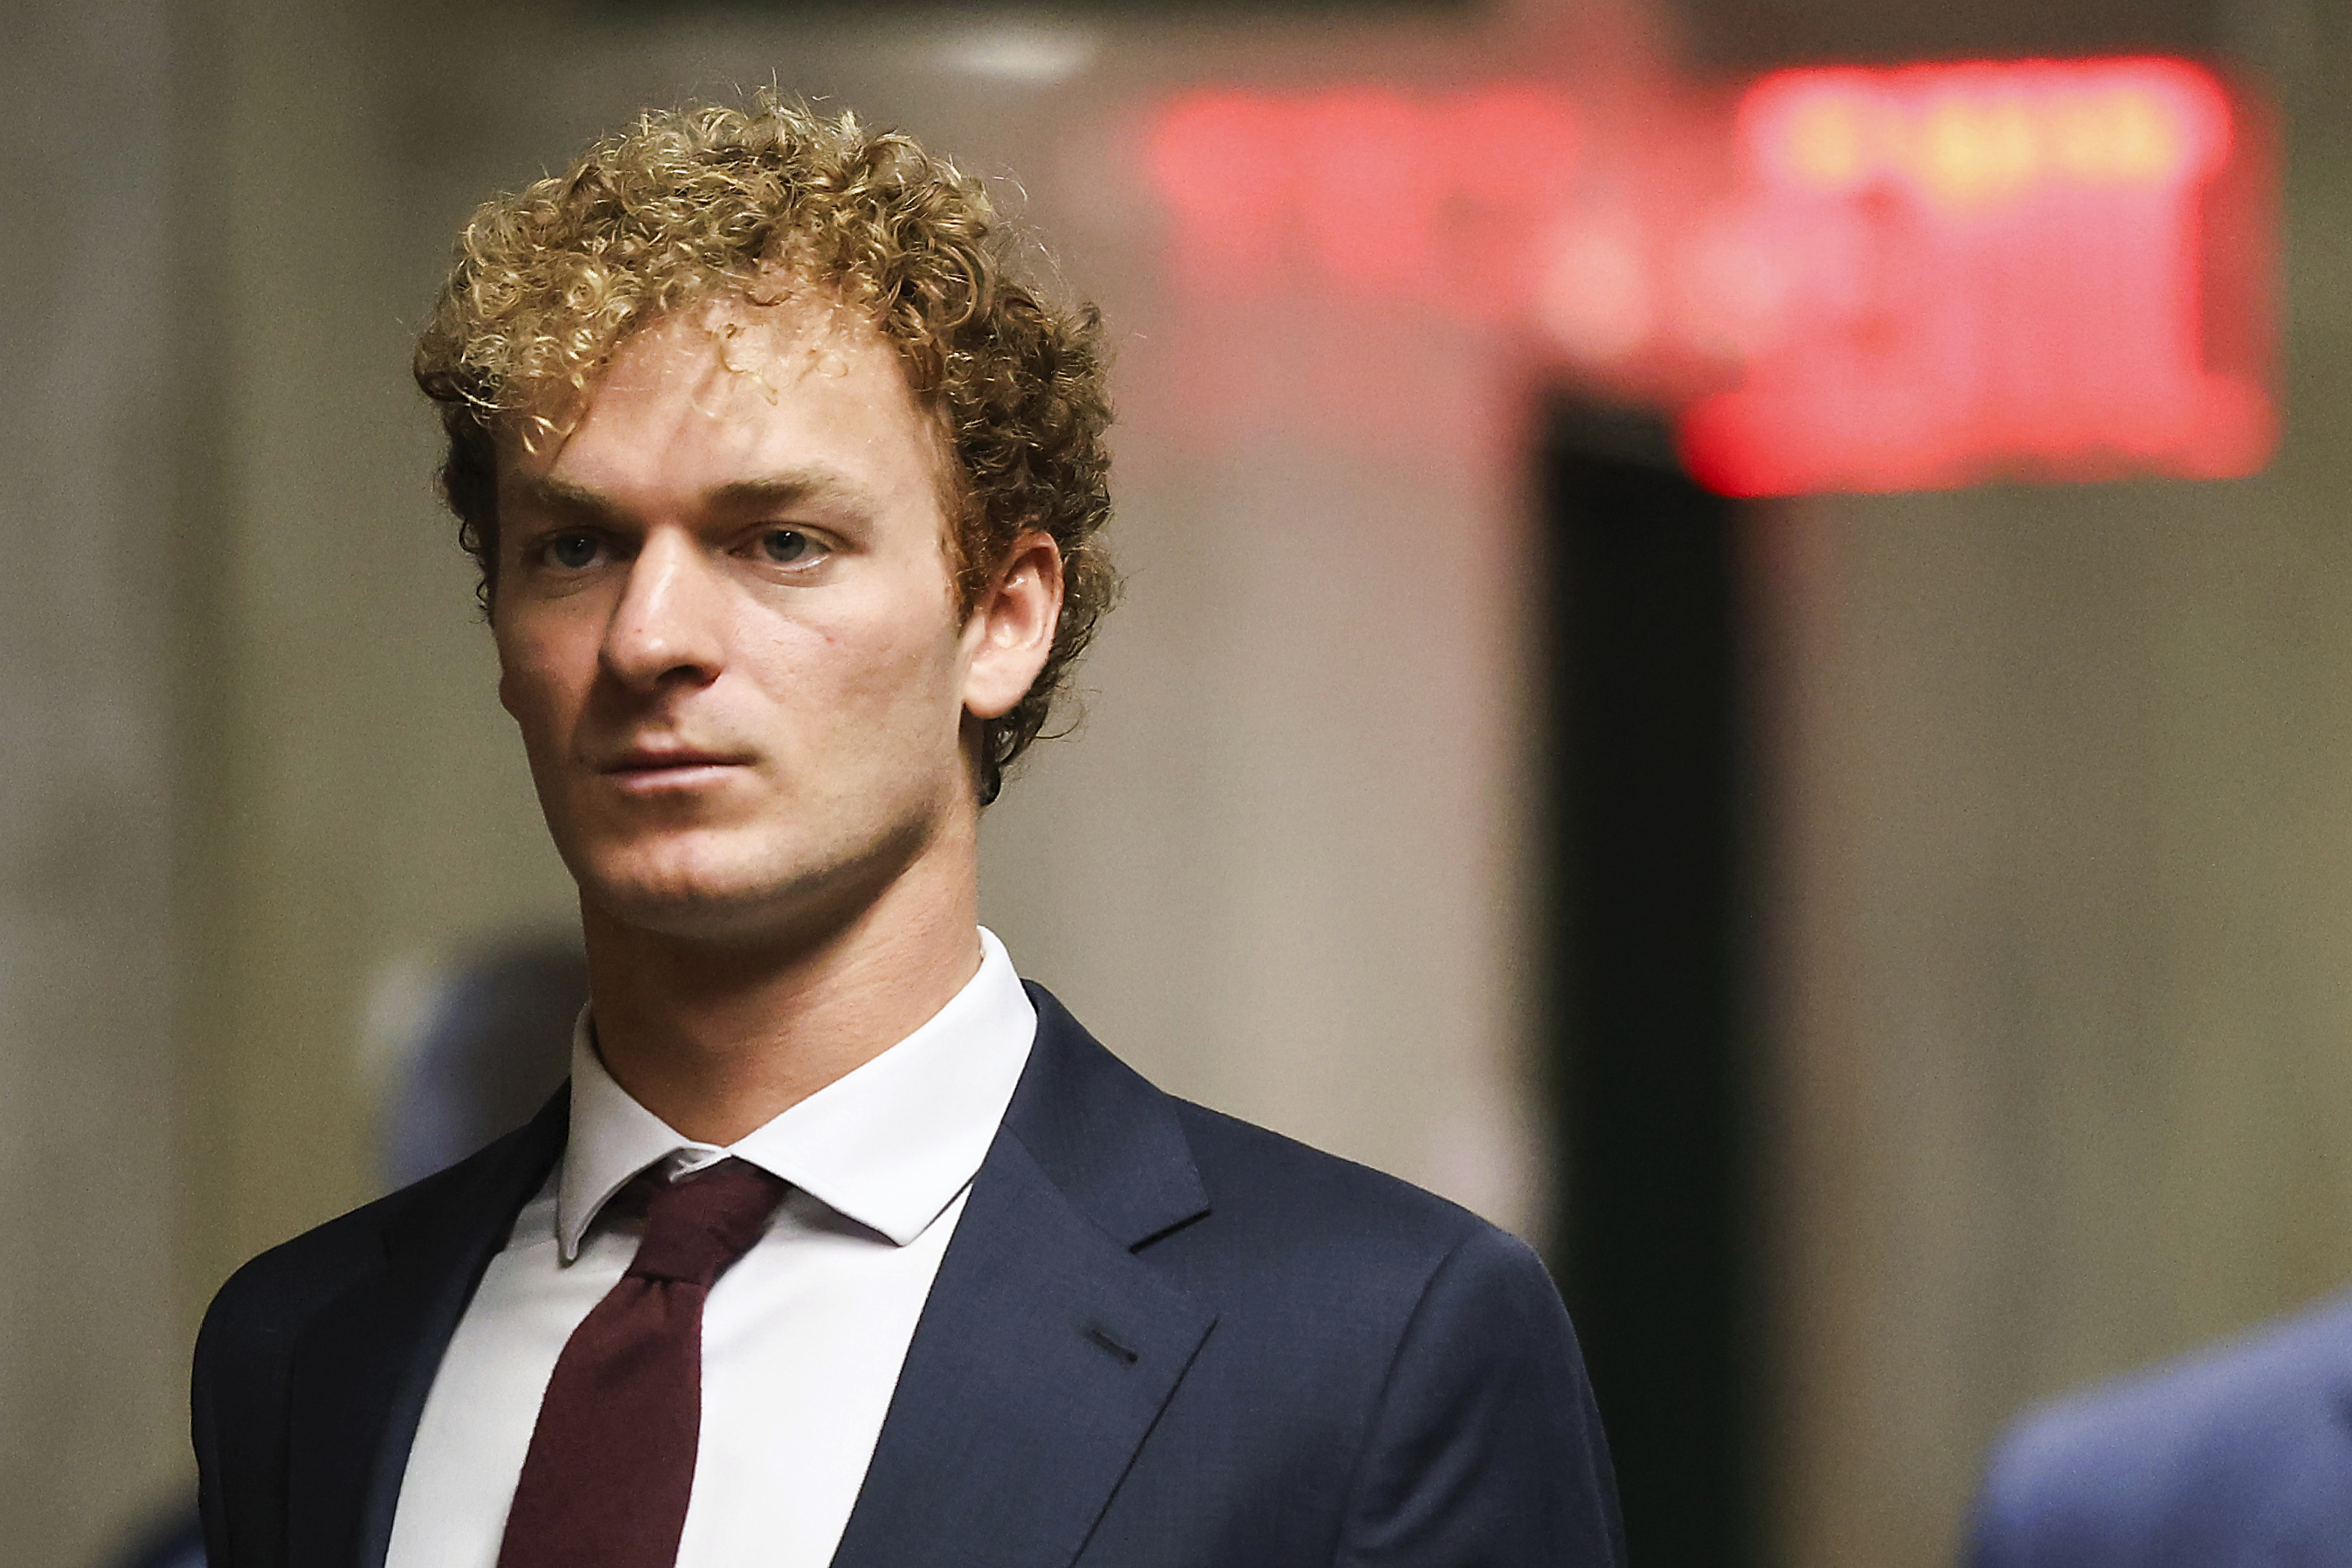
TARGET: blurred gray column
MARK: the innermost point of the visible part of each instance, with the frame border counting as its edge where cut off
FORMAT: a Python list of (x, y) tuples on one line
[(92, 1358)]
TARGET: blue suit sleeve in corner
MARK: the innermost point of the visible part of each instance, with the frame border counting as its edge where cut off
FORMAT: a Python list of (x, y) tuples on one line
[(1996, 1536)]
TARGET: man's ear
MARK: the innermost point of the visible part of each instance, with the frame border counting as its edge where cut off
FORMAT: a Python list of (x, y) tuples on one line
[(1011, 627)]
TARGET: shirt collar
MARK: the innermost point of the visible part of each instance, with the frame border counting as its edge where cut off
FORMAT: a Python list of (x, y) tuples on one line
[(889, 1145)]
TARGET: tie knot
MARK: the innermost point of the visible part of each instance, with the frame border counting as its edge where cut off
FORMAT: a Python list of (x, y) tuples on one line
[(697, 1226)]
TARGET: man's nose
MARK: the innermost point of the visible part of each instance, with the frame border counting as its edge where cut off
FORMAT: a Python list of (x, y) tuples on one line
[(670, 624)]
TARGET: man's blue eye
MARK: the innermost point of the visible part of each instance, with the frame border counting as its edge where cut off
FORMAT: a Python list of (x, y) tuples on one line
[(783, 545), (573, 551)]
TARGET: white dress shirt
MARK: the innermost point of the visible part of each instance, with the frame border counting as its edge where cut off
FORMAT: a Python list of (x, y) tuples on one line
[(803, 1339)]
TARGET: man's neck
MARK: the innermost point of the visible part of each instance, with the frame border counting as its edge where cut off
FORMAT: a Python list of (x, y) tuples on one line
[(718, 1040)]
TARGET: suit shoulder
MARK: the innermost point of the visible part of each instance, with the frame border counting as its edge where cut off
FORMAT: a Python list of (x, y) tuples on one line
[(1430, 1342), (290, 1279), (280, 1288), (1258, 1179), (2189, 1449)]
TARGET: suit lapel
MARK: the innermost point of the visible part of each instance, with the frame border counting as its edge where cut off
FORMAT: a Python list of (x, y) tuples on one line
[(1047, 1348), (365, 1362)]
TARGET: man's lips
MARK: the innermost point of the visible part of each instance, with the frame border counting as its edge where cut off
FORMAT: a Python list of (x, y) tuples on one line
[(670, 767), (646, 758)]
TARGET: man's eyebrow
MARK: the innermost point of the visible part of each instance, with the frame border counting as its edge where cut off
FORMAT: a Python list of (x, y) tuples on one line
[(785, 490), (562, 495)]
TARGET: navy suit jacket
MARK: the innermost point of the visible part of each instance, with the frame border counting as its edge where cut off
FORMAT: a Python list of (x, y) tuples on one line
[(2229, 1459), (1160, 1337)]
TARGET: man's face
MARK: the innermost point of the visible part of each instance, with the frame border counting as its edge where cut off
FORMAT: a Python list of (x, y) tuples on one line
[(726, 625)]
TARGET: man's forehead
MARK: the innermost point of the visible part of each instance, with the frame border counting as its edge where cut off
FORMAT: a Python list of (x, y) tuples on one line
[(755, 339), (728, 358), (802, 333)]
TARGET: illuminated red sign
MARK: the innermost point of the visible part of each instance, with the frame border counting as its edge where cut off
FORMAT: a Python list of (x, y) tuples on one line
[(1975, 270), (1890, 279), (1371, 190)]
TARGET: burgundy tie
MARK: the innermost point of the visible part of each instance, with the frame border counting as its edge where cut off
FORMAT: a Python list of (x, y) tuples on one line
[(611, 1463)]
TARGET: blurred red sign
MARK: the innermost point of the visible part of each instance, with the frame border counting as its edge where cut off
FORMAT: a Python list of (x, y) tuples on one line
[(1370, 189), (1977, 270), (1904, 278)]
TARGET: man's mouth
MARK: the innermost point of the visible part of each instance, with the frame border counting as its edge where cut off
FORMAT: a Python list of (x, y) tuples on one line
[(661, 768)]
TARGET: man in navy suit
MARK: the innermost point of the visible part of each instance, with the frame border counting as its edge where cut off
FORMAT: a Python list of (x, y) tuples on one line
[(843, 1245), (2232, 1457)]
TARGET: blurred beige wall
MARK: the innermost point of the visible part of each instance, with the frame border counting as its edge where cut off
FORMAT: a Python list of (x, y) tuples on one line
[(2061, 999), (91, 1365)]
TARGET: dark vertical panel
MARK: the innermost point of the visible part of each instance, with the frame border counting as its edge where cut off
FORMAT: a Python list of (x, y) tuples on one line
[(1647, 1012)]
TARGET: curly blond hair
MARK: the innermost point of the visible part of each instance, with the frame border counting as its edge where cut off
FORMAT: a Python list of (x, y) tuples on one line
[(701, 201)]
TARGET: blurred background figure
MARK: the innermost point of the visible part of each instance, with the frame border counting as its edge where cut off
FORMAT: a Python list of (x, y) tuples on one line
[(2241, 1454), (495, 1043), (178, 1542), (1783, 733)]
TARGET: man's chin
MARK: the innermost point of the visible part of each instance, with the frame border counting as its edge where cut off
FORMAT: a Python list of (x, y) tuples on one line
[(704, 911), (717, 899), (743, 889)]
